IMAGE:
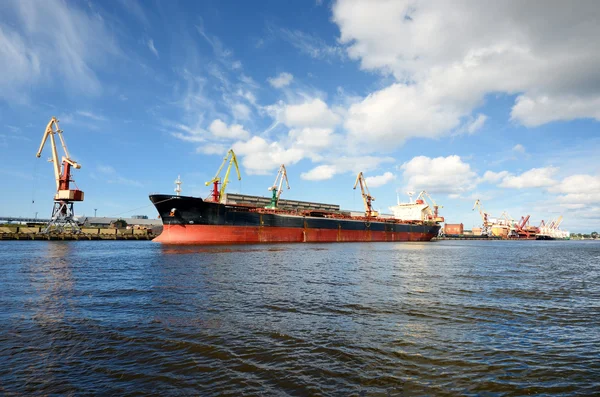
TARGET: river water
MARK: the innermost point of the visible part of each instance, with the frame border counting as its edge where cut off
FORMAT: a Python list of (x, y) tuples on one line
[(366, 319)]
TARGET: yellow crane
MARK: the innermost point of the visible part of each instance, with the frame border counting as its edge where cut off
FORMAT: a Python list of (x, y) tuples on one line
[(277, 188), (217, 194), (366, 195), (62, 214), (486, 229)]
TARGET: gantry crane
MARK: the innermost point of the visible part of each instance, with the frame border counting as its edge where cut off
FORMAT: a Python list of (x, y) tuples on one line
[(486, 228), (366, 195), (62, 213), (217, 194), (277, 188), (433, 217)]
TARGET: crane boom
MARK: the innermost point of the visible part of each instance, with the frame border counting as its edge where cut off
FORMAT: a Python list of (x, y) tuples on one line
[(62, 214), (216, 194), (435, 217), (277, 188), (62, 178), (366, 195), (484, 217)]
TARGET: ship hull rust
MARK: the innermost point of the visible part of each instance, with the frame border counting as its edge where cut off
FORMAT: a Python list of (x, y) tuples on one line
[(190, 220)]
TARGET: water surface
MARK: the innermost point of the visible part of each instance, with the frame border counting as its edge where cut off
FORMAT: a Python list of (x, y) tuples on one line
[(442, 318)]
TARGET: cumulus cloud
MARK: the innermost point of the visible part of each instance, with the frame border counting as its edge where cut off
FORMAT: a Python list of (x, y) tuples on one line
[(380, 180), (282, 80), (234, 131), (452, 55), (260, 156), (313, 113), (439, 175), (535, 177), (319, 173), (578, 190), (493, 177)]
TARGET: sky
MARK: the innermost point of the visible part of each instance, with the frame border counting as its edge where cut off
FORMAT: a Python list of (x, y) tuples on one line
[(465, 99)]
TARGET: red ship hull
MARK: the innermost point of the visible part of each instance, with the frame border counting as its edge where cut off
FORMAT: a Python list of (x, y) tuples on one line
[(212, 234)]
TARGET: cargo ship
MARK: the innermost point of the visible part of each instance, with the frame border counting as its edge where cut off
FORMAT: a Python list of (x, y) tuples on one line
[(241, 219)]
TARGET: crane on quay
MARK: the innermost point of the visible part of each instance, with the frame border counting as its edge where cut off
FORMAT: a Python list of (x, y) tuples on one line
[(486, 229), (366, 195), (277, 188), (217, 194), (62, 214)]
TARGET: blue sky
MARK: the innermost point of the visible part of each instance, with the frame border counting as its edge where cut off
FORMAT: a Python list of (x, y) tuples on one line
[(465, 101)]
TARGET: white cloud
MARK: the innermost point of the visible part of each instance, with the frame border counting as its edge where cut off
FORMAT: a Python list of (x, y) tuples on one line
[(91, 115), (260, 156), (453, 54), (439, 175), (282, 80), (518, 148), (311, 45), (69, 53), (344, 164), (212, 148), (380, 180), (312, 138), (319, 173), (535, 177), (314, 113), (241, 111), (476, 124), (234, 131), (150, 44), (578, 190), (493, 177), (539, 110), (386, 118)]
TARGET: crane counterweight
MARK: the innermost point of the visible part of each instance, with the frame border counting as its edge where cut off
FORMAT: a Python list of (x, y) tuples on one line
[(62, 214)]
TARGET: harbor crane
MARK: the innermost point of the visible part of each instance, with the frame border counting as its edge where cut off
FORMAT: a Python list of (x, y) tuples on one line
[(366, 195), (62, 214), (424, 196), (217, 194), (278, 187), (486, 229)]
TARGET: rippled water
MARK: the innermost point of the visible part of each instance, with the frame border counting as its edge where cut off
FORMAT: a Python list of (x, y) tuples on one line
[(443, 318)]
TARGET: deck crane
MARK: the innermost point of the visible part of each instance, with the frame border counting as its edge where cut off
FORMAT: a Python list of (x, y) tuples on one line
[(217, 194), (62, 213), (366, 195), (277, 188), (434, 217), (486, 228)]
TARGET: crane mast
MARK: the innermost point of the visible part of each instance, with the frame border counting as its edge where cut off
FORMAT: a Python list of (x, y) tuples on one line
[(277, 188), (435, 217), (486, 229), (62, 214), (366, 195), (217, 194)]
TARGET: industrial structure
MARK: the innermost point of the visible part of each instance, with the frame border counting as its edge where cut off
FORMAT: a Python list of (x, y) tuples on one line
[(217, 194), (277, 188), (62, 213), (506, 227), (366, 195)]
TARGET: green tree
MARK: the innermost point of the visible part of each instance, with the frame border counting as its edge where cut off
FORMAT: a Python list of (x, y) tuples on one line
[(594, 234)]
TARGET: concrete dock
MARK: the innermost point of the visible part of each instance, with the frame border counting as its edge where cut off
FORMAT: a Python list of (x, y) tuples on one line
[(35, 233)]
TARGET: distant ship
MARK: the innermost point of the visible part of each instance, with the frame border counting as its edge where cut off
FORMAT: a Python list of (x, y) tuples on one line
[(244, 219)]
